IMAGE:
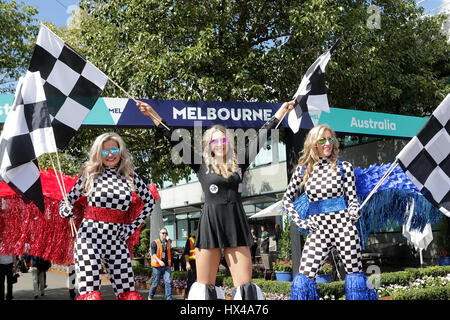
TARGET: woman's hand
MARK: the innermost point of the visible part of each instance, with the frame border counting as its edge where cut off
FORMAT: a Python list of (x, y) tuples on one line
[(148, 111), (284, 109)]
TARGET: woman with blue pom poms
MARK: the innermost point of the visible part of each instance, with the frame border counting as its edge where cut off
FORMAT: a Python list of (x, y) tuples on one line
[(330, 209)]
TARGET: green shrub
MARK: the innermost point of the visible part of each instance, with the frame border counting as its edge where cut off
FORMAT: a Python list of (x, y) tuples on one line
[(336, 289), (139, 270), (179, 275), (228, 282), (432, 293), (279, 287)]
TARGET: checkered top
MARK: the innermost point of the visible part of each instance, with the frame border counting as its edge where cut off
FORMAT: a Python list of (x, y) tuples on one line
[(323, 183), (111, 191), (426, 158)]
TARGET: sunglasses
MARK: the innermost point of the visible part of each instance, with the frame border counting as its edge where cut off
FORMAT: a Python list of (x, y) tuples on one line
[(115, 151), (215, 142), (322, 141), (163, 232)]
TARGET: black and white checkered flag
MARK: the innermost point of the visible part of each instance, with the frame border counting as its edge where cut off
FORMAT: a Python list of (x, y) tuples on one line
[(426, 158), (311, 93), (72, 84), (27, 134)]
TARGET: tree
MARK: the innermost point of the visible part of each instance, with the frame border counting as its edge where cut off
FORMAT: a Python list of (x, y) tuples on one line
[(258, 51), (16, 40)]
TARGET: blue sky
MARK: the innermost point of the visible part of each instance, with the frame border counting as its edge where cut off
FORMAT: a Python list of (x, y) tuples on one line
[(58, 11)]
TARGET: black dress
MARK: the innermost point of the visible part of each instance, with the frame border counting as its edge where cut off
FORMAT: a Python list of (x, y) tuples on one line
[(223, 222)]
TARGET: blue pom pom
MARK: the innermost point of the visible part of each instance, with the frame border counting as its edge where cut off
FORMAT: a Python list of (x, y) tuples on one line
[(303, 288), (358, 287)]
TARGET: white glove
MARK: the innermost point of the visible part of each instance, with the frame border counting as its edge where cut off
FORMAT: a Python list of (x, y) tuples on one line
[(66, 211), (354, 216)]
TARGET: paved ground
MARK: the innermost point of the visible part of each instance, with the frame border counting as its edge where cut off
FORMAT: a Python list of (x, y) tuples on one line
[(57, 289)]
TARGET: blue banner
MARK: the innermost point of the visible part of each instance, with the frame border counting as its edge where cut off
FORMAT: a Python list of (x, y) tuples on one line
[(177, 113)]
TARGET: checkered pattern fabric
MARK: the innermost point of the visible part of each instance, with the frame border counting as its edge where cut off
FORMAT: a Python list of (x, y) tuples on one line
[(26, 135), (311, 93), (71, 83), (333, 229), (96, 243), (100, 241), (426, 158)]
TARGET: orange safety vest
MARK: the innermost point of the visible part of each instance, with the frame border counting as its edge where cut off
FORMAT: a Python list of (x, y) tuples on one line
[(159, 252), (191, 249)]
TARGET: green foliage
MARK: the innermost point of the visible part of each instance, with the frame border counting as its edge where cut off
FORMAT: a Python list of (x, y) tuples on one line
[(143, 247), (431, 293), (285, 241), (282, 265), (336, 289), (179, 275), (142, 271), (327, 268), (443, 238), (17, 36)]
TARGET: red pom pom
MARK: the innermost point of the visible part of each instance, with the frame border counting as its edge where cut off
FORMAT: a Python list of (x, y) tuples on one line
[(130, 295), (154, 191)]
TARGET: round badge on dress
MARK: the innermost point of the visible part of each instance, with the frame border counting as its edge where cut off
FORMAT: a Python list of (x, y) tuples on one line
[(213, 188)]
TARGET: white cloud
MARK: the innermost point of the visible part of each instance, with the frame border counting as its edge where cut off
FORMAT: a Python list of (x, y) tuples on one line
[(70, 10)]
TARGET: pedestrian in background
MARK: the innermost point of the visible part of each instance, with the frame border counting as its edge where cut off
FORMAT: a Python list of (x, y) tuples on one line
[(161, 261), (7, 269), (189, 256), (264, 244), (39, 267)]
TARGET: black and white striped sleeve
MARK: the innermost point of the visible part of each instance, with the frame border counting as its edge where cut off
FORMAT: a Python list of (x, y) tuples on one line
[(149, 203), (350, 190), (65, 210), (292, 192)]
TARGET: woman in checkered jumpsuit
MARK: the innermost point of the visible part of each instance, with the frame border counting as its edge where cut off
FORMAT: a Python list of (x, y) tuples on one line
[(107, 180), (333, 210)]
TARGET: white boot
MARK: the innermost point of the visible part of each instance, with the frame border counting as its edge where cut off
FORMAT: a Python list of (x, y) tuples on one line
[(247, 291), (200, 291)]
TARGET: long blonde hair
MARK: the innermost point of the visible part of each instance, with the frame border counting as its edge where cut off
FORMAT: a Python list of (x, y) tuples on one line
[(231, 164), (94, 166), (310, 155)]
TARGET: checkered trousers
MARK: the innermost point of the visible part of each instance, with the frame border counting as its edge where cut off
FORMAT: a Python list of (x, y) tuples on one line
[(335, 230), (96, 243)]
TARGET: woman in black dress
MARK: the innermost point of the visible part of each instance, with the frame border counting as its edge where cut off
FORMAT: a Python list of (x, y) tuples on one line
[(223, 223)]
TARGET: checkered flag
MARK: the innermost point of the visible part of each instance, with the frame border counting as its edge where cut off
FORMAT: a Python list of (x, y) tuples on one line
[(426, 158), (27, 134), (311, 93), (72, 84)]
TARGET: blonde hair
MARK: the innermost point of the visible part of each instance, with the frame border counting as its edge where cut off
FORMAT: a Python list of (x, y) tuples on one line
[(231, 164), (94, 166), (310, 155)]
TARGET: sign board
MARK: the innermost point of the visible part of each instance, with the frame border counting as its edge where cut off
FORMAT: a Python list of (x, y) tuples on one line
[(123, 112)]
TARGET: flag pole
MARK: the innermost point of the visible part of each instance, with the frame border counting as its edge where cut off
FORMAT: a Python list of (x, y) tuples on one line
[(130, 97), (284, 115), (73, 229), (388, 172)]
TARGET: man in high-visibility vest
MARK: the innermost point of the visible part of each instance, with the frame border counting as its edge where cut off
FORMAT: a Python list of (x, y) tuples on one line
[(161, 261), (189, 256)]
